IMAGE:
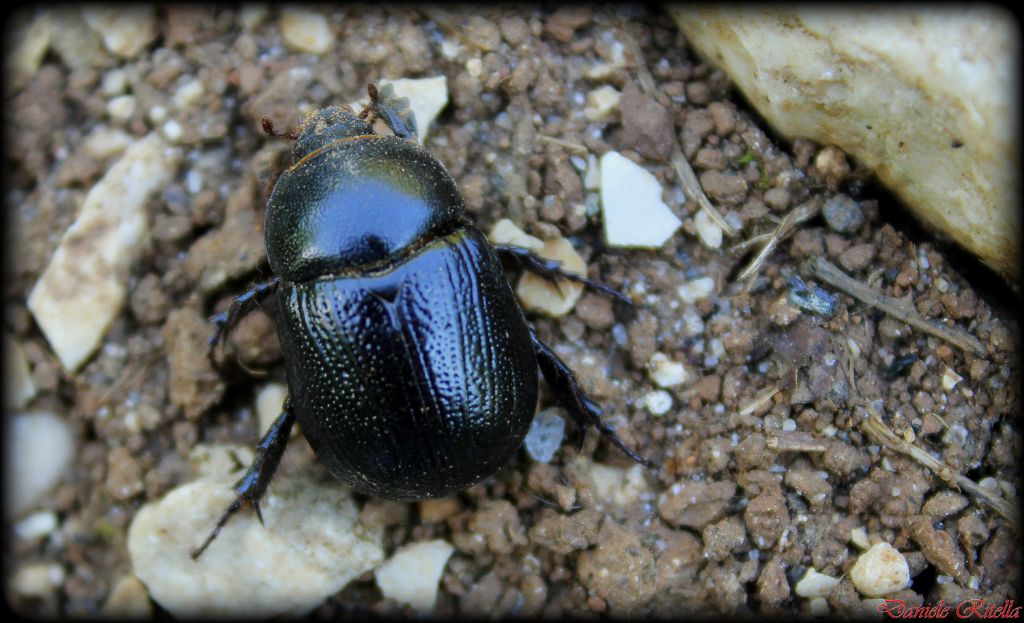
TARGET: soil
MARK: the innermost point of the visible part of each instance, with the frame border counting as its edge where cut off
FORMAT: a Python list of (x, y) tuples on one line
[(729, 523)]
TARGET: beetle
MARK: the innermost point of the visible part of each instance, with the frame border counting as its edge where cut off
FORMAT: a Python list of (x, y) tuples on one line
[(410, 365)]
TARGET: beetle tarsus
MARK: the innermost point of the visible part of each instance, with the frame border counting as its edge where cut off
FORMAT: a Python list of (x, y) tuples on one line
[(268, 129), (240, 306), (251, 487), (552, 271), (582, 409)]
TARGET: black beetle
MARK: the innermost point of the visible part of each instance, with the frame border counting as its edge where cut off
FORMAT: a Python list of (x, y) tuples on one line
[(410, 365)]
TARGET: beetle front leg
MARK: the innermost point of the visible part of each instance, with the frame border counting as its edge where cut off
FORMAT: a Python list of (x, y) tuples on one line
[(552, 270), (582, 409), (240, 306), (251, 487)]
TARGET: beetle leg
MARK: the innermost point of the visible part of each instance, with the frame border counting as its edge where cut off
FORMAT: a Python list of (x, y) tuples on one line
[(582, 409), (240, 306), (552, 270), (392, 110), (251, 487)]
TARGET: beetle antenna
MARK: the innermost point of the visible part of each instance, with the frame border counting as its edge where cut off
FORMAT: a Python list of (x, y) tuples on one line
[(370, 112)]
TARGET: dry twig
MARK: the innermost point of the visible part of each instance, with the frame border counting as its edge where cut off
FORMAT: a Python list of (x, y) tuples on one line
[(877, 430), (797, 215), (794, 441), (831, 274)]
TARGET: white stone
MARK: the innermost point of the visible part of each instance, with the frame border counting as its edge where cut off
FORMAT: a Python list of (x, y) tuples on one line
[(270, 403), (602, 102), (880, 570), (634, 214), (172, 130), (505, 232), (545, 435), (252, 15), (40, 447), (215, 460), (84, 287), (707, 230), (553, 298), (129, 599), (658, 402), (36, 525), (693, 291), (925, 98), (815, 584), (950, 380), (29, 49), (311, 546), (121, 108), (306, 31), (665, 372), (105, 142), (412, 575), (18, 385), (188, 94), (621, 486), (114, 82), (592, 178), (427, 98), (125, 30), (474, 67), (37, 580), (819, 607)]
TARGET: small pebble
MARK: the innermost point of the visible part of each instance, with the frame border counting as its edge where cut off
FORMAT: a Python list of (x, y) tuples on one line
[(553, 299), (306, 31), (859, 537), (29, 49), (38, 580), (36, 525), (125, 30), (17, 379), (412, 575), (709, 232), (621, 486), (658, 402), (950, 380), (602, 103), (129, 599), (505, 232), (843, 214), (819, 607), (880, 570), (634, 214), (815, 584), (310, 547), (693, 291), (188, 94), (665, 372), (545, 435), (40, 447)]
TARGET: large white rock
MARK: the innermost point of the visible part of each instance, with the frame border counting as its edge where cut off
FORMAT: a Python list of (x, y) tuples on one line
[(311, 546), (83, 288), (634, 214), (925, 96), (39, 448), (412, 574)]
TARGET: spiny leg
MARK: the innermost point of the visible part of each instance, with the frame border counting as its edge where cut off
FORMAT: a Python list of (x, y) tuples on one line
[(240, 306), (552, 270), (251, 487), (582, 409)]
